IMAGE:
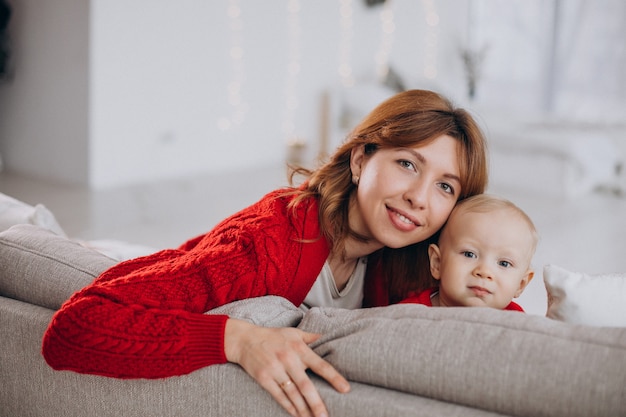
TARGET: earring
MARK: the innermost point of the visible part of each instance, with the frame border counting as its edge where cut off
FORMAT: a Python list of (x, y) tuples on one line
[(355, 180)]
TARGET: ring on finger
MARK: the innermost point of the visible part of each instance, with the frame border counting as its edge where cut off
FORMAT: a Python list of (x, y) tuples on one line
[(285, 384)]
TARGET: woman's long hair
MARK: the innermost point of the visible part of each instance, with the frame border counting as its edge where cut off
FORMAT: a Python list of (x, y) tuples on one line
[(408, 119)]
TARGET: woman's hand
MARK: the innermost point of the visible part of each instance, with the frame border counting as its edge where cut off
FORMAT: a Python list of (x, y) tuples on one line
[(277, 358)]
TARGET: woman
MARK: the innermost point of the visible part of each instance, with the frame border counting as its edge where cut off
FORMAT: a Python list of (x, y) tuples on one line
[(392, 185)]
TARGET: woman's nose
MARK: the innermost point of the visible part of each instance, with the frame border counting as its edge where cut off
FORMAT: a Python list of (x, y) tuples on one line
[(418, 194)]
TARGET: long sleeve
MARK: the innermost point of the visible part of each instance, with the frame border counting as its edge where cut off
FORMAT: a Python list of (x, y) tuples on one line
[(145, 317)]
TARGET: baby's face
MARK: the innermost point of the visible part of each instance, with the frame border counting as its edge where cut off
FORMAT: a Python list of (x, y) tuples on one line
[(484, 259)]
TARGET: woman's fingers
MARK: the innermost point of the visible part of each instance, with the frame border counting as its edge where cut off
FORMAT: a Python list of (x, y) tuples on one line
[(299, 388), (283, 394), (308, 394), (277, 358), (297, 400), (325, 370), (285, 378)]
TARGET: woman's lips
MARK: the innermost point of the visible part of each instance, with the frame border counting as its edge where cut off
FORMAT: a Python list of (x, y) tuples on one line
[(401, 220)]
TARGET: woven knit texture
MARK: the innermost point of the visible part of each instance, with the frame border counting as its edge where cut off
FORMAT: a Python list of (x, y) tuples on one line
[(144, 318)]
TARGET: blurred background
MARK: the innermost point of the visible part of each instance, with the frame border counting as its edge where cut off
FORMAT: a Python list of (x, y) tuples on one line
[(109, 93), (150, 120)]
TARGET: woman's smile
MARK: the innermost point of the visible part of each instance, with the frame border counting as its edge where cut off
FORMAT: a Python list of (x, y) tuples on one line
[(402, 221)]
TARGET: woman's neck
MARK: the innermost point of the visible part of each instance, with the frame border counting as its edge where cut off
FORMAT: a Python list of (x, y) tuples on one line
[(342, 270), (343, 265)]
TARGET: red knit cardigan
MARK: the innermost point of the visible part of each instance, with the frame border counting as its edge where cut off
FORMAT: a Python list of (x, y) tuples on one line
[(143, 318)]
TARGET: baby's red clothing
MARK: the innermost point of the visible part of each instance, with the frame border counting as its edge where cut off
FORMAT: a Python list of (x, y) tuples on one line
[(144, 318), (424, 297)]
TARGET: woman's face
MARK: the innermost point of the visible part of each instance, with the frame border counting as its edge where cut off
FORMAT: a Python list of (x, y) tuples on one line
[(405, 195)]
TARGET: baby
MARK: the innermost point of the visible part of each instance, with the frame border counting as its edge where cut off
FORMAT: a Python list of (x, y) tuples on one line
[(483, 256)]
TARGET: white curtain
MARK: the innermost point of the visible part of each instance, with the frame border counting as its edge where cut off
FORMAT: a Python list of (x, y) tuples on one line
[(590, 67), (564, 57)]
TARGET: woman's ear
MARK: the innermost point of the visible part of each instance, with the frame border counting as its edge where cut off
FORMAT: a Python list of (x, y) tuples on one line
[(357, 155), (434, 254)]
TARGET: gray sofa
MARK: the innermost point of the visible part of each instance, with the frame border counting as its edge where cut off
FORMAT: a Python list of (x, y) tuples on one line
[(402, 360)]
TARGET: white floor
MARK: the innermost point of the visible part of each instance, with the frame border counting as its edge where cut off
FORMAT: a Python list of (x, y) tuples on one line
[(585, 233)]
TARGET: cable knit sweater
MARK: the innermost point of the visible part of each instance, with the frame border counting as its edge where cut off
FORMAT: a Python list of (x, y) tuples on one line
[(144, 318)]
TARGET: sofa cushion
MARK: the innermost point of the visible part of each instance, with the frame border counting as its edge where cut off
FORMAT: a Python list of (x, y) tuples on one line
[(29, 387), (35, 252), (268, 311), (581, 298), (500, 361)]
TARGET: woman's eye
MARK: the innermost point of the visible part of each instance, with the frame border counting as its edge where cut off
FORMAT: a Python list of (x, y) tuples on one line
[(407, 164), (447, 188)]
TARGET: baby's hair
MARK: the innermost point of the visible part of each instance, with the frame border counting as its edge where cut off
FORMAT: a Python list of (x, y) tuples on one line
[(486, 203)]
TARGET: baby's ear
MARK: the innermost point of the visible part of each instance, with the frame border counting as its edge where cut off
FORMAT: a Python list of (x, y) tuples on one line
[(524, 282), (434, 254)]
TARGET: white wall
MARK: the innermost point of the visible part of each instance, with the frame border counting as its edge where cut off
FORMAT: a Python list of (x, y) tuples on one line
[(161, 73), (160, 79), (113, 92), (44, 110), (146, 97)]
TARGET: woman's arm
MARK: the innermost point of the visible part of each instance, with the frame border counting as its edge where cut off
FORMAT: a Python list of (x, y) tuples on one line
[(97, 336), (145, 317)]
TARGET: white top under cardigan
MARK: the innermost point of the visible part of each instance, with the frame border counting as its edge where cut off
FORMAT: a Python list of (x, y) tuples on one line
[(324, 292)]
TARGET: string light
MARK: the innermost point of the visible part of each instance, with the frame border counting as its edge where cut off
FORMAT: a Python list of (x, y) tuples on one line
[(431, 39), (236, 102), (388, 29), (346, 15)]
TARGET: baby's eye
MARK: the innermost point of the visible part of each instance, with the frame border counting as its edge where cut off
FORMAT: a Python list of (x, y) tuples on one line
[(469, 254), (505, 264)]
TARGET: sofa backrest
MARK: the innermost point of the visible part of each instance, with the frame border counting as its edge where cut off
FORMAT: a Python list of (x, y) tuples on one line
[(43, 268)]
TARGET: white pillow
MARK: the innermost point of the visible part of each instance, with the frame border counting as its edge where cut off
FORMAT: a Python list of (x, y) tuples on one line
[(579, 298), (14, 212)]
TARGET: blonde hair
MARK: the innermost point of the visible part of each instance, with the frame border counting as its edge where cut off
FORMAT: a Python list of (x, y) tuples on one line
[(408, 119), (487, 203)]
